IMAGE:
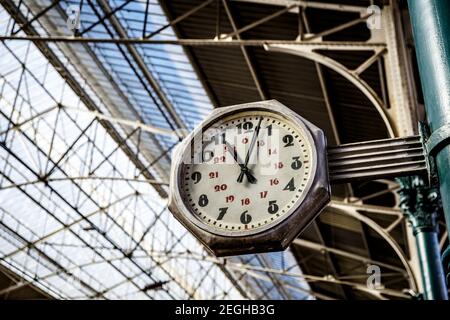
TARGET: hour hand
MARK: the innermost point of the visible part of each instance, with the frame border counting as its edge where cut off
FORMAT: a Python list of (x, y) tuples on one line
[(233, 152), (244, 170)]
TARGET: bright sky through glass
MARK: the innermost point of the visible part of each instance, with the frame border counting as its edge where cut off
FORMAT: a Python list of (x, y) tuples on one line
[(94, 227)]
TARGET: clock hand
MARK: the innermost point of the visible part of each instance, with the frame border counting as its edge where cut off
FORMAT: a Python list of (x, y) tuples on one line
[(233, 152), (245, 169), (250, 177), (236, 158)]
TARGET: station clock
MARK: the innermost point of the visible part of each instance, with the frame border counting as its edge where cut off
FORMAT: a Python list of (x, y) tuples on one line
[(249, 178)]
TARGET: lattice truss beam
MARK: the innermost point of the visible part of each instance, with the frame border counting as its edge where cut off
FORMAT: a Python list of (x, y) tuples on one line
[(384, 45), (103, 213), (99, 229), (76, 199), (87, 124)]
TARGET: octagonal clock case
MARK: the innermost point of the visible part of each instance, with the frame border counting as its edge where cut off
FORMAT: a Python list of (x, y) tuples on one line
[(249, 178)]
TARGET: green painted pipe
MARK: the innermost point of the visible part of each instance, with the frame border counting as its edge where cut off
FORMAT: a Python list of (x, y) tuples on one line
[(433, 278), (431, 27), (420, 204)]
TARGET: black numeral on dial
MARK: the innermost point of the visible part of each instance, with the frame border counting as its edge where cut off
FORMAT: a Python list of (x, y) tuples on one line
[(203, 200), (290, 186), (245, 217), (247, 126), (207, 155), (196, 176), (288, 140), (296, 164), (219, 138), (222, 212), (273, 207)]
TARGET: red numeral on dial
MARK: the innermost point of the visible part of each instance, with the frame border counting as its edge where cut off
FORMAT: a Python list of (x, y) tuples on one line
[(220, 187), (245, 201), (229, 199), (219, 159), (278, 165), (213, 175)]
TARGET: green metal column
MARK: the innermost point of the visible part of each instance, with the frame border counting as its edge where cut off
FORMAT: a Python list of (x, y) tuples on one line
[(421, 203), (431, 27), (430, 258)]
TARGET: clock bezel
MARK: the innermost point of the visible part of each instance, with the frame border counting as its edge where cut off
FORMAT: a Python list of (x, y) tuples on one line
[(272, 107)]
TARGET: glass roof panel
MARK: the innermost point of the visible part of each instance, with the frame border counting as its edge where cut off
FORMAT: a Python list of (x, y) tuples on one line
[(79, 218)]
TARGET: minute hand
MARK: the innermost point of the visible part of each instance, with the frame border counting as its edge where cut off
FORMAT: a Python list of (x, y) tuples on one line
[(245, 169)]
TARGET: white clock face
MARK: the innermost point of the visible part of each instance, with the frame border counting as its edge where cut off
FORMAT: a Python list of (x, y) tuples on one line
[(248, 174)]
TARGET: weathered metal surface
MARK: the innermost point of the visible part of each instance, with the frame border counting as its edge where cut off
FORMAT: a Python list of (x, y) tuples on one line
[(377, 159)]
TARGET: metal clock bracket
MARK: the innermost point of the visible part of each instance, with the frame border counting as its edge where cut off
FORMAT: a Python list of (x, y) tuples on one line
[(368, 160), (388, 158)]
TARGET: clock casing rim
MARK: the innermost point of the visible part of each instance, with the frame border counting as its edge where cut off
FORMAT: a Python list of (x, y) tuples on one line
[(276, 236)]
